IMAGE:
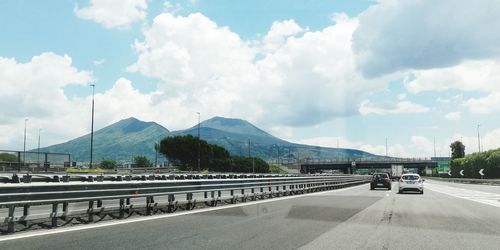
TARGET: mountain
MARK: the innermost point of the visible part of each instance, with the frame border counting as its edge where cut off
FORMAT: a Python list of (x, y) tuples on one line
[(120, 141), (236, 134), (131, 137)]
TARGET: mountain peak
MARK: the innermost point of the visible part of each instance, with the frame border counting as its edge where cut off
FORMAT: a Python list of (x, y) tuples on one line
[(233, 125)]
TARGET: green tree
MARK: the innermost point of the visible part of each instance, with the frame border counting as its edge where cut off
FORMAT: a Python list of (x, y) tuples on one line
[(457, 150), (142, 162), (108, 164), (6, 157)]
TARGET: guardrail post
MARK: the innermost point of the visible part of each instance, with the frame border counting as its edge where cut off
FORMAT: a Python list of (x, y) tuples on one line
[(122, 208), (65, 210), (90, 211), (26, 209), (148, 205), (54, 215), (10, 224)]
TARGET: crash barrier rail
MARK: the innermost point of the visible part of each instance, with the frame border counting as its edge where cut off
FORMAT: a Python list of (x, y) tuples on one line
[(92, 177), (468, 180), (59, 196)]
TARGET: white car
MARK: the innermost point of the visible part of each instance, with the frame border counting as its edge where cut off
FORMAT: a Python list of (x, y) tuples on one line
[(411, 182)]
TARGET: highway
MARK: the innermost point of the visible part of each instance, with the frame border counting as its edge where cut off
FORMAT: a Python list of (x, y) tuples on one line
[(447, 216)]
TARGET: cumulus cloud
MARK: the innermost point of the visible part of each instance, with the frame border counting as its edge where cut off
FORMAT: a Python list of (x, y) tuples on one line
[(114, 13), (453, 116), (423, 34), (472, 75), (484, 105), (367, 107), (292, 77)]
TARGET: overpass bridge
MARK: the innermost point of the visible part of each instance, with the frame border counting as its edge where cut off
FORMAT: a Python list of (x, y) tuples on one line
[(349, 165)]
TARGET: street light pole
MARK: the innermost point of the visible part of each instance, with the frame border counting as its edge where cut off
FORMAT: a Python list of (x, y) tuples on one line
[(478, 138), (199, 153), (92, 126), (38, 152), (386, 154), (24, 147)]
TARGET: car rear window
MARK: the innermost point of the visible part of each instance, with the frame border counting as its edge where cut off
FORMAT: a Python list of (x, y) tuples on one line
[(410, 177), (383, 176)]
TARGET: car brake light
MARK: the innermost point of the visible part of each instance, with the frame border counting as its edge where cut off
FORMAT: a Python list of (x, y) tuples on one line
[(401, 180), (419, 180)]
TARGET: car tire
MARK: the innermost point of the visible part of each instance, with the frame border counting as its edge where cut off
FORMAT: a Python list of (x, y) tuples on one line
[(400, 191), (422, 192)]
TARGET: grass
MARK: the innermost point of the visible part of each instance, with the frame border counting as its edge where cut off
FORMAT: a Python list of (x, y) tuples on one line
[(276, 170), (77, 170)]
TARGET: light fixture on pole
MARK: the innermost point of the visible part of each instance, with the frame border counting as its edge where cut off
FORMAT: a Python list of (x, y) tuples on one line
[(92, 126)]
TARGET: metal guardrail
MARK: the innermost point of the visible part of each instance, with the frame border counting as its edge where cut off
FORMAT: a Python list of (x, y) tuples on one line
[(467, 180), (60, 195), (100, 177)]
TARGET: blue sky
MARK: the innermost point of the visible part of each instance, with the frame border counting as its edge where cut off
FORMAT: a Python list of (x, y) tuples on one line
[(308, 71)]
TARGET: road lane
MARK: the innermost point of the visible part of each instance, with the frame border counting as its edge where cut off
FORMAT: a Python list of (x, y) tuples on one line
[(356, 218)]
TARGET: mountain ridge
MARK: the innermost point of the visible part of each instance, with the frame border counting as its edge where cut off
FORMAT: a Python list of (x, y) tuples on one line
[(130, 137)]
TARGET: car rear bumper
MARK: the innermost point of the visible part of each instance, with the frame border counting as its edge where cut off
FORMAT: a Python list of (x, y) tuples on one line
[(411, 187)]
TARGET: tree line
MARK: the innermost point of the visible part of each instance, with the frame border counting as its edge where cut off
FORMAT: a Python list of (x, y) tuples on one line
[(489, 161), (187, 150)]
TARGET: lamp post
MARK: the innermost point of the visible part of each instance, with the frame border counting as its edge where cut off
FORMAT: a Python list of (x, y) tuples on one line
[(478, 138), (24, 147), (92, 126), (38, 151), (199, 153)]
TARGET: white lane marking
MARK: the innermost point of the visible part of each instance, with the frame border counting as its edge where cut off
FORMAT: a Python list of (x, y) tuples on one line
[(162, 216), (467, 194)]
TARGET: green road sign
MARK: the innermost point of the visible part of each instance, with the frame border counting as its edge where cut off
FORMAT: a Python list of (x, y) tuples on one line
[(443, 165)]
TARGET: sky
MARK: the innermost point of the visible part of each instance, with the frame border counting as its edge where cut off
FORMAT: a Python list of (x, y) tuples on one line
[(352, 73)]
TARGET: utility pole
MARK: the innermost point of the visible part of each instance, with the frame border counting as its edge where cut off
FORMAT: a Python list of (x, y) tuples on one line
[(386, 154), (250, 155), (92, 126), (38, 152), (338, 152), (434, 147), (478, 138), (24, 147), (157, 146), (199, 153)]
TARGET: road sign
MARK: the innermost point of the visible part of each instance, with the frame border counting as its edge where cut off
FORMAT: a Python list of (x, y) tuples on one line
[(353, 164), (449, 173), (443, 166), (481, 172), (462, 172)]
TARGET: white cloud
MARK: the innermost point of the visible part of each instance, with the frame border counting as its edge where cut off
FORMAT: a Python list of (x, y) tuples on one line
[(484, 105), (482, 75), (114, 13), (402, 96), (453, 116), (306, 77), (423, 34), (99, 62), (172, 8), (402, 107), (279, 33), (489, 140)]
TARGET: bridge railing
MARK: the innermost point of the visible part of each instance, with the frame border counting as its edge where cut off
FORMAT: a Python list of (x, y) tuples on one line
[(95, 201)]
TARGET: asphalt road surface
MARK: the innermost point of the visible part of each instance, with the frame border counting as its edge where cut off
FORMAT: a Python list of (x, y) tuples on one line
[(447, 216)]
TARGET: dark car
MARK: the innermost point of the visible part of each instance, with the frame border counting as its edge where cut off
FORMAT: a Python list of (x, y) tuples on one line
[(380, 180)]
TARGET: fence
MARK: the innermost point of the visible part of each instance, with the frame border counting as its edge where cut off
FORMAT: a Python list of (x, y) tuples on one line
[(32, 161)]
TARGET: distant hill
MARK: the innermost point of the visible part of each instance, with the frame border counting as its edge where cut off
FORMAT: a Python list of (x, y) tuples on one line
[(120, 141), (131, 137)]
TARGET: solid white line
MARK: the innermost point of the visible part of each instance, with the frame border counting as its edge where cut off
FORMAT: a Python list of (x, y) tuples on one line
[(162, 216)]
